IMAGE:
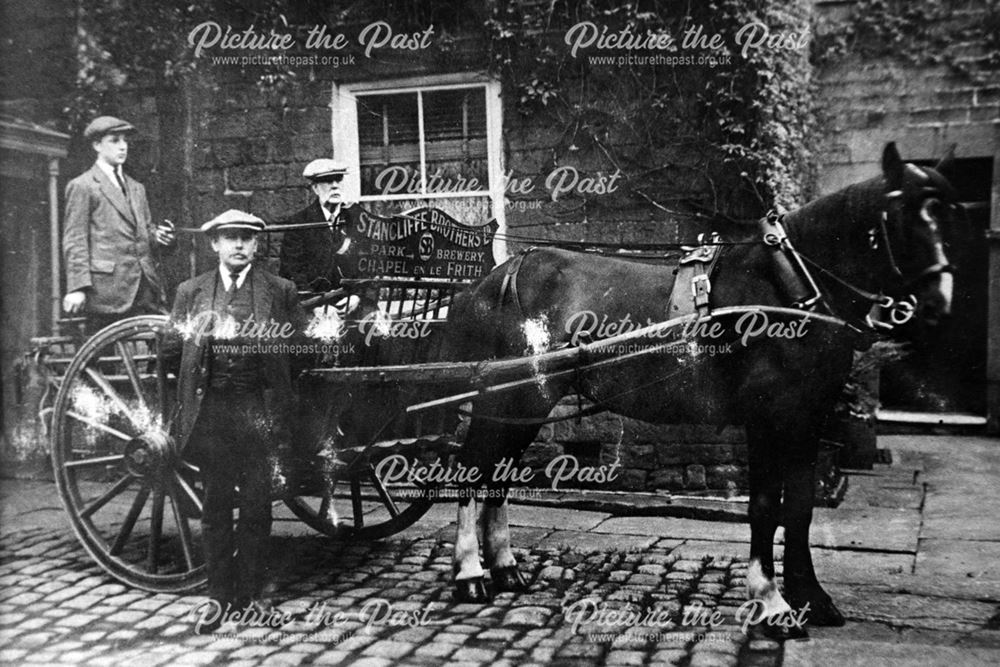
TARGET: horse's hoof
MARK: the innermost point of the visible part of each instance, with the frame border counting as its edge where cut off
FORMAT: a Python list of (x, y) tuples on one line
[(471, 590), (508, 579), (783, 629)]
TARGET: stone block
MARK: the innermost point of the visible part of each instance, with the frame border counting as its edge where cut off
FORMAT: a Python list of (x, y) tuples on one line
[(694, 477), (725, 476), (671, 478), (257, 177)]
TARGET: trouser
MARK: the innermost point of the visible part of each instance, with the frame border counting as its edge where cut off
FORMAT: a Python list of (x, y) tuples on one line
[(148, 301), (230, 442)]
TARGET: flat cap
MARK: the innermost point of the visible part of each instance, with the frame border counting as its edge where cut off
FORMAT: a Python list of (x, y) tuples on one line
[(106, 125), (323, 169), (233, 219)]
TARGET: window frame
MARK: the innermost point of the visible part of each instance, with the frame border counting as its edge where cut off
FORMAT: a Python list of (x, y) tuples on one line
[(346, 140)]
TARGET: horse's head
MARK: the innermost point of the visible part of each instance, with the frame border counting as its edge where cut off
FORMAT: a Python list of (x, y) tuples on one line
[(908, 244)]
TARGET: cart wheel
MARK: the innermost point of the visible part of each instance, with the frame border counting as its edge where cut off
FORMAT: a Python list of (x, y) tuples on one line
[(133, 501), (376, 509)]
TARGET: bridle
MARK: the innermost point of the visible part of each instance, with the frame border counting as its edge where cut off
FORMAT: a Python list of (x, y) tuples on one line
[(899, 311), (939, 267)]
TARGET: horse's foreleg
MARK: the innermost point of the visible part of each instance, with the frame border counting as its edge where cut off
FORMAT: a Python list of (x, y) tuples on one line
[(496, 548), (764, 512), (469, 584), (801, 584)]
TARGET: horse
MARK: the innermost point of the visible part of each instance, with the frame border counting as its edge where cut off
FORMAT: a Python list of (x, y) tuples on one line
[(874, 239)]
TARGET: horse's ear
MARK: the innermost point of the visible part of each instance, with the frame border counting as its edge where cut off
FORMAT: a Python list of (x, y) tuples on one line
[(892, 166), (948, 161)]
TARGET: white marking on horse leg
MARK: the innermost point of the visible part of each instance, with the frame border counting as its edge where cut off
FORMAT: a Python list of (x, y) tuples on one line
[(496, 534), (764, 588), (466, 557)]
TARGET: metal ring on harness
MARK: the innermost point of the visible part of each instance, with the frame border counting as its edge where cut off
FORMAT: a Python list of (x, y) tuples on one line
[(903, 311)]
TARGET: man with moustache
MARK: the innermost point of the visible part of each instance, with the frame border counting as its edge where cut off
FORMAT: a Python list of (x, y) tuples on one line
[(108, 235), (235, 398), (317, 259)]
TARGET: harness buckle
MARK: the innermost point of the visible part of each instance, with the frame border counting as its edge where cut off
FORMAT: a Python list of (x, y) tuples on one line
[(701, 288)]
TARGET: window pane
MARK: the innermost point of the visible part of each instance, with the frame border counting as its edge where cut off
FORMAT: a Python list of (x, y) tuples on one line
[(388, 136), (455, 136)]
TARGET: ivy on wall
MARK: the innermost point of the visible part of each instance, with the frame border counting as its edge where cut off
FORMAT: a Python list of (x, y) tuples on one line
[(748, 119), (964, 35)]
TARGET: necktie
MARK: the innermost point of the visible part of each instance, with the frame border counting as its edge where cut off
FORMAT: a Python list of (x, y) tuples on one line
[(121, 181)]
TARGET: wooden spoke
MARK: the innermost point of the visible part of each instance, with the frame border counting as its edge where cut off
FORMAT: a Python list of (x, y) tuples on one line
[(155, 531), (324, 505), (382, 492), (182, 528), (185, 488), (161, 380), (98, 461), (93, 423), (107, 496), (102, 382), (133, 372), (129, 523), (359, 511)]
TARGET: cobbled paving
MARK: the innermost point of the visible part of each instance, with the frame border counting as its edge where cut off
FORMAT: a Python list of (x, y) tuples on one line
[(57, 607)]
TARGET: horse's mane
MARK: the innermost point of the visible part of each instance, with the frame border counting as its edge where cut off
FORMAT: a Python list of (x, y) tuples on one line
[(828, 219)]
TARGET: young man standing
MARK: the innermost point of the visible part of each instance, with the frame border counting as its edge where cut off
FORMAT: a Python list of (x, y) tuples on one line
[(235, 395), (108, 234)]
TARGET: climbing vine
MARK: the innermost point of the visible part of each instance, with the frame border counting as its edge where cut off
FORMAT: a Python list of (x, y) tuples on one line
[(965, 36), (737, 129)]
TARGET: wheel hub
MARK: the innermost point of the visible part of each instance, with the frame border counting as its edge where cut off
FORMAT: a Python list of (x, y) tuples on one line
[(152, 454)]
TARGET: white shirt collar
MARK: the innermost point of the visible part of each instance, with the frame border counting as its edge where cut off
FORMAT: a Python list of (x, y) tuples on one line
[(109, 171), (227, 281)]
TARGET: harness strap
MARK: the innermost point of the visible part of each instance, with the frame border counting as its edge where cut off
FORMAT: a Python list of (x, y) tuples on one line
[(795, 280), (509, 283), (692, 288)]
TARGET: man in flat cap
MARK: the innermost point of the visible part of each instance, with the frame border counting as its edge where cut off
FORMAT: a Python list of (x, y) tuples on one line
[(235, 393), (316, 259), (108, 234)]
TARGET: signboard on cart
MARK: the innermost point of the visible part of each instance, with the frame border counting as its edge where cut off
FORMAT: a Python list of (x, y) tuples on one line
[(422, 243)]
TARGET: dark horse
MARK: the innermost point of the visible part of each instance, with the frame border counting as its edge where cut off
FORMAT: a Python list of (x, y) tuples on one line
[(879, 237)]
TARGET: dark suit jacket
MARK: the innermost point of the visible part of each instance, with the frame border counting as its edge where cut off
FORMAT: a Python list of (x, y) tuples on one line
[(309, 256), (106, 241), (273, 298)]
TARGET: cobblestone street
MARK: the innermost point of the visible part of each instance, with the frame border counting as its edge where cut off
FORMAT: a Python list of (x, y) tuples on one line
[(909, 596)]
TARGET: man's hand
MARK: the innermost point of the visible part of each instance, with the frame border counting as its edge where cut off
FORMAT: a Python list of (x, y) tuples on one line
[(74, 302), (165, 233)]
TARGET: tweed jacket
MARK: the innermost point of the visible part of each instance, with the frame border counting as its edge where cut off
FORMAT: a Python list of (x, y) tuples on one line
[(106, 241), (274, 299)]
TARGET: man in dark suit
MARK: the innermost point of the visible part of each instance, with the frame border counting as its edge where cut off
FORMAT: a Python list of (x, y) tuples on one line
[(235, 392), (108, 233), (317, 259)]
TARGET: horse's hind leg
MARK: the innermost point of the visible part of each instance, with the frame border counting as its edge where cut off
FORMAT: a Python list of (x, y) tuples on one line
[(801, 584), (468, 571), (486, 444), (496, 535)]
